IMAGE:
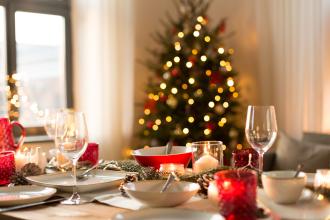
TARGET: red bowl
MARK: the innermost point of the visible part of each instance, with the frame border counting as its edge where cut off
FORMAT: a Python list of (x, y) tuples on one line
[(155, 156)]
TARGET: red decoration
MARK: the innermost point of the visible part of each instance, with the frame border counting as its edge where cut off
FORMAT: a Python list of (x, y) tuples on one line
[(7, 141), (150, 104), (192, 59), (163, 98), (91, 154), (237, 194), (7, 166), (216, 77), (175, 72), (210, 125), (241, 157), (222, 26), (149, 124)]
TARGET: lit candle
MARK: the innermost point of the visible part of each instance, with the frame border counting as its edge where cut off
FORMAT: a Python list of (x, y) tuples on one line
[(204, 163), (171, 167), (237, 192), (42, 161), (21, 159), (212, 192)]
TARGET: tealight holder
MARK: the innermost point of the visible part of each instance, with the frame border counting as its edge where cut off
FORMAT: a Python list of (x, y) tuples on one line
[(237, 194), (91, 155), (167, 168), (7, 166), (322, 183), (207, 155)]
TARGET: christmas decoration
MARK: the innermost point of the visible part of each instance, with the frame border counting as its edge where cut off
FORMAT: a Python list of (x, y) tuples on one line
[(194, 95), (129, 178), (30, 169), (204, 182)]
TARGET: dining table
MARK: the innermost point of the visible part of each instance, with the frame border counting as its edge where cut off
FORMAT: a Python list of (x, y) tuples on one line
[(110, 206)]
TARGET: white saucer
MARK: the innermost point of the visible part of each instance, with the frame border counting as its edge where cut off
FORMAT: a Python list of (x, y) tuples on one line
[(167, 214), (19, 195), (99, 179)]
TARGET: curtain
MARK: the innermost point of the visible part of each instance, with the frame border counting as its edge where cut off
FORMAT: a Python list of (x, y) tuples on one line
[(292, 70), (103, 38)]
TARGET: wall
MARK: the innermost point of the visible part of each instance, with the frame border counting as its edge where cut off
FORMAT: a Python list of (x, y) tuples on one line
[(241, 20)]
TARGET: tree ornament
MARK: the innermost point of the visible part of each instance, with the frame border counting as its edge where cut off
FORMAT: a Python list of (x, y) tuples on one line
[(129, 178), (175, 72), (150, 104), (210, 125), (149, 124), (204, 182), (216, 78), (222, 26)]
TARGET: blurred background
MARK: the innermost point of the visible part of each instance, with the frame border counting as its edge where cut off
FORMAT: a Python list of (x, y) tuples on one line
[(86, 55)]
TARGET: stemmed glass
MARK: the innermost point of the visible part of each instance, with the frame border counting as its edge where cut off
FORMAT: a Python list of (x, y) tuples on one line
[(71, 138), (50, 122), (261, 129)]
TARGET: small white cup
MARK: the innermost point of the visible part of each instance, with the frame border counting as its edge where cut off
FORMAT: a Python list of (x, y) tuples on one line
[(282, 187)]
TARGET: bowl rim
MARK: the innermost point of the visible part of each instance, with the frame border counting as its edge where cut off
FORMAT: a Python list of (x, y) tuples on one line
[(160, 155), (197, 187), (268, 175)]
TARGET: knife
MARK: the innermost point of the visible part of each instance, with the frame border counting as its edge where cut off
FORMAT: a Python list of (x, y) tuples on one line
[(52, 200)]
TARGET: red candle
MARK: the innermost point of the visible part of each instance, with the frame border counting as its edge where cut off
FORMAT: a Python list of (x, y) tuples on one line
[(237, 194), (7, 166), (91, 154)]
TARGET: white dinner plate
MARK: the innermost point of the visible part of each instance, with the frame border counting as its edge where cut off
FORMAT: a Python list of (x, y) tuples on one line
[(99, 179), (307, 207), (19, 195), (168, 214)]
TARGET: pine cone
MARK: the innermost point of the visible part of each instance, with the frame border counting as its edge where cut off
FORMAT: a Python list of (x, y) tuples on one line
[(129, 178), (204, 182), (149, 173), (31, 169), (18, 179)]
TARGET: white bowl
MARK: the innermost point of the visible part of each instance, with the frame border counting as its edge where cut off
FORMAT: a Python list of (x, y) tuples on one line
[(148, 192), (282, 187)]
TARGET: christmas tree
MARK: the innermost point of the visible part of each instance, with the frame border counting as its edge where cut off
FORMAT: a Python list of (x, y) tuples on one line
[(193, 95)]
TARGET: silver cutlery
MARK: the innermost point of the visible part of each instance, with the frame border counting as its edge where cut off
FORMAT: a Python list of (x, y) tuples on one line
[(83, 175), (168, 147)]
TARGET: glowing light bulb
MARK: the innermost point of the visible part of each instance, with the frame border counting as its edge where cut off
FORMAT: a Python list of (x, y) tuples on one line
[(176, 59), (155, 127), (189, 64), (147, 111), (239, 146), (235, 94), (177, 46), (217, 98), (158, 122), (141, 121), (207, 39), (207, 131), (198, 27), (223, 63), (196, 33), (190, 101), (191, 80), (191, 119), (206, 118), (220, 90), (174, 90), (221, 50), (194, 51), (225, 105), (185, 130), (200, 19), (211, 104), (203, 58), (230, 81), (180, 34), (184, 86), (163, 86), (208, 72), (169, 64), (168, 118)]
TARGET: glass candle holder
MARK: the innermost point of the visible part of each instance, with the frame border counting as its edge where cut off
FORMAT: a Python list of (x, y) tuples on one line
[(237, 191), (91, 154), (207, 155), (322, 183), (7, 166), (168, 168), (241, 158)]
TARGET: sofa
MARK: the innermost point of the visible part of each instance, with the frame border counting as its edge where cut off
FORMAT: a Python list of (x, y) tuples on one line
[(312, 152)]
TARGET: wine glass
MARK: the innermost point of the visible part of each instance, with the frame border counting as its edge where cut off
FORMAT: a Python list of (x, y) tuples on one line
[(50, 122), (261, 129), (71, 138)]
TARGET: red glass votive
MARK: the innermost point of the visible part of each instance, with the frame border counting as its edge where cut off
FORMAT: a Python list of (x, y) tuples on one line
[(91, 154), (7, 166), (241, 157), (237, 191)]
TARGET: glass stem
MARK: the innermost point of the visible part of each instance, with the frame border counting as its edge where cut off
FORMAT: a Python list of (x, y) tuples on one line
[(74, 170), (261, 162)]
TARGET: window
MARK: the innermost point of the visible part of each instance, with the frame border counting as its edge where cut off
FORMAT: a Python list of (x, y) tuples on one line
[(35, 58)]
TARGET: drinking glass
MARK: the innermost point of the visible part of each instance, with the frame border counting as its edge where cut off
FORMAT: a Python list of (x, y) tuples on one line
[(71, 138), (261, 129), (50, 122)]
